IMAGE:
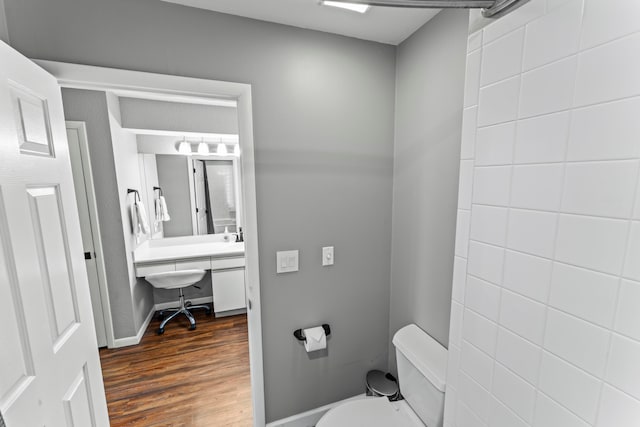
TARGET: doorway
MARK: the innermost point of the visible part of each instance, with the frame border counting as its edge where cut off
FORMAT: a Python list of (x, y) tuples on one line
[(198, 90), (91, 241)]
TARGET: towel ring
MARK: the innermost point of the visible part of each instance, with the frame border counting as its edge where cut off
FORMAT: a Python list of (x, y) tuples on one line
[(137, 195)]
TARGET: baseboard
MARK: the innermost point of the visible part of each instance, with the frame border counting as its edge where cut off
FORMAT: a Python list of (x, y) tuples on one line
[(310, 418), (135, 340), (174, 304)]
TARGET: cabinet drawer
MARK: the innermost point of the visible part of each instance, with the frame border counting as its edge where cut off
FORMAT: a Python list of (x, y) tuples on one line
[(228, 290), (194, 264), (146, 269), (226, 263)]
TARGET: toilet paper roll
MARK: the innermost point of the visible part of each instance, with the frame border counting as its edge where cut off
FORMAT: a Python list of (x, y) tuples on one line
[(316, 339)]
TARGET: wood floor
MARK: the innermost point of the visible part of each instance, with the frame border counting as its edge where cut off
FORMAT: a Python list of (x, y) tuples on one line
[(182, 378)]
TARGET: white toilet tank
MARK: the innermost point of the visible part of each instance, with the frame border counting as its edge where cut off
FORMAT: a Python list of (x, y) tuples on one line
[(422, 369)]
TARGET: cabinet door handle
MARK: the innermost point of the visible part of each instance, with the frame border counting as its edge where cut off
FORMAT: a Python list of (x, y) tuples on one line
[(249, 305)]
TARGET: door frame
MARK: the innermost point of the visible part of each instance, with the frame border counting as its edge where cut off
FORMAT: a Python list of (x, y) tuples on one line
[(188, 89), (94, 217)]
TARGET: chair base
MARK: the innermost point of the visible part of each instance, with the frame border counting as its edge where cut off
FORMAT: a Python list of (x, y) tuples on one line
[(185, 308)]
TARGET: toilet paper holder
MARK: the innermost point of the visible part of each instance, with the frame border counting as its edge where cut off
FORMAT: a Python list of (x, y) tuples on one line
[(300, 336)]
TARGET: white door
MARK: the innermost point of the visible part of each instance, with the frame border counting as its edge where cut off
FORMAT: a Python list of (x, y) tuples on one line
[(50, 369), (201, 202), (82, 182)]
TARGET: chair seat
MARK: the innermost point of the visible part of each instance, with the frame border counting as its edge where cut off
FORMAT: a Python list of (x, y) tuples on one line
[(175, 279)]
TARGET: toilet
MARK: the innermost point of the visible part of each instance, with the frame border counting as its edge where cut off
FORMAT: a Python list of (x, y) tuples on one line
[(422, 367)]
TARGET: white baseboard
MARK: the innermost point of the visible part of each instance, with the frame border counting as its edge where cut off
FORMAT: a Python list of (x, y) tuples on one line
[(174, 304), (311, 418), (135, 340)]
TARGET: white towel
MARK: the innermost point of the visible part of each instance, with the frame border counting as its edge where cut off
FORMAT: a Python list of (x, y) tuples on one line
[(164, 212), (139, 218)]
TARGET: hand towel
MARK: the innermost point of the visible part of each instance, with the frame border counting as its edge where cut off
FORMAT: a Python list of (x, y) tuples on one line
[(140, 214), (164, 212)]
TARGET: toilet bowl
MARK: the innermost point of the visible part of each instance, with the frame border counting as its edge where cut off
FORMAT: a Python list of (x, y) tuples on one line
[(422, 367), (371, 412)]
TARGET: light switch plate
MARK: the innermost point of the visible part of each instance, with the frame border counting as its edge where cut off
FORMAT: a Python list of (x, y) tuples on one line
[(327, 255), (286, 261)]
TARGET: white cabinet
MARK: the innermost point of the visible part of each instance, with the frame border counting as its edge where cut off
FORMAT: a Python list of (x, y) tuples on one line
[(228, 291)]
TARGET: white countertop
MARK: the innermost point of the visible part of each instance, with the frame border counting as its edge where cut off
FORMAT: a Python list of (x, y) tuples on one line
[(173, 249)]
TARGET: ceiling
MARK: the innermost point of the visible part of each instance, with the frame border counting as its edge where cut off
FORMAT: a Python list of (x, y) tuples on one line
[(380, 24)]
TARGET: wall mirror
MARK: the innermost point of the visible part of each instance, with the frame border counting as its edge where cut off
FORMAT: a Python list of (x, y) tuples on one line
[(199, 179)]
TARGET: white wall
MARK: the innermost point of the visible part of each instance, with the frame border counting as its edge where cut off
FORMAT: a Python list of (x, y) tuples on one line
[(545, 329), (125, 155), (428, 119)]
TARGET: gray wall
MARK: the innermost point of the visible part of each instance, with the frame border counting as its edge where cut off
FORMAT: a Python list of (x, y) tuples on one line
[(175, 116), (4, 32), (323, 120), (91, 107), (429, 90), (173, 177)]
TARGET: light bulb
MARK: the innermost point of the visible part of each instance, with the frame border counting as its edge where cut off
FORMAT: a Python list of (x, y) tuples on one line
[(184, 148), (203, 148), (221, 150)]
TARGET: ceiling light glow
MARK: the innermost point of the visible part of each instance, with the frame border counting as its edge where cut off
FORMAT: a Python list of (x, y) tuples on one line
[(360, 8)]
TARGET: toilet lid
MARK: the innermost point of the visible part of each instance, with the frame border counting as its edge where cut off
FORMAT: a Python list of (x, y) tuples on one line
[(375, 412)]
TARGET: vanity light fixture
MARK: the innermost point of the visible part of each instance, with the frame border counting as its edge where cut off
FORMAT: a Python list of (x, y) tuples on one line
[(236, 150), (184, 147), (360, 8), (203, 148), (222, 149)]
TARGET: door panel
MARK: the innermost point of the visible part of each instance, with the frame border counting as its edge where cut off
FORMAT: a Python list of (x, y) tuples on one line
[(53, 257), (77, 402), (16, 369), (47, 314), (32, 121)]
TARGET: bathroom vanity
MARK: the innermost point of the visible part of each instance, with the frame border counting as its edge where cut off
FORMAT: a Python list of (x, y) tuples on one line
[(225, 260)]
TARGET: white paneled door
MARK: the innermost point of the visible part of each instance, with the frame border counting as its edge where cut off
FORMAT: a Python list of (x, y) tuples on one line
[(49, 365)]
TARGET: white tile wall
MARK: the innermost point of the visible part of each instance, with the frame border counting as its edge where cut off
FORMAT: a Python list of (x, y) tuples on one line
[(542, 139), (564, 23), (498, 102), (502, 58), (613, 63), (545, 323), (547, 89), (616, 122), (492, 185), (628, 316), (519, 355), (618, 409), (494, 144), (515, 393)]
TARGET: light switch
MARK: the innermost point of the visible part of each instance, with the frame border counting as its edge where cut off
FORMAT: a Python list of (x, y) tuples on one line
[(286, 261), (327, 255)]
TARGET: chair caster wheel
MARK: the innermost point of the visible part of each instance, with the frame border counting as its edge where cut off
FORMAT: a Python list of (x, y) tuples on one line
[(161, 316), (209, 312), (160, 331), (192, 327)]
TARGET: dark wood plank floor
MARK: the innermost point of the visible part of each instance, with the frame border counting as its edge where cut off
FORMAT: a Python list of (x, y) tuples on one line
[(182, 378)]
